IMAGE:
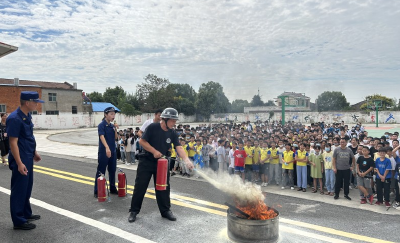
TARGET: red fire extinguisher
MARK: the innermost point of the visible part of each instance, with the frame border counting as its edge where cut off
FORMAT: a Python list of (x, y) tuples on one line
[(162, 171), (122, 184), (101, 188)]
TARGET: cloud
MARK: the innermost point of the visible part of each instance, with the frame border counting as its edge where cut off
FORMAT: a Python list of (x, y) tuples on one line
[(276, 46)]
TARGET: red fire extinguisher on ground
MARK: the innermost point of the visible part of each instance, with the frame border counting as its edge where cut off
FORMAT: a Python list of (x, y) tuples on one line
[(162, 171), (122, 184), (101, 188)]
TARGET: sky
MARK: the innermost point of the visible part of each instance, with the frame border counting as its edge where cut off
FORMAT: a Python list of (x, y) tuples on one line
[(246, 45)]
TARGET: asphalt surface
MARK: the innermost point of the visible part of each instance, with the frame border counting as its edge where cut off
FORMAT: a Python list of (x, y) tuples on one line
[(196, 220)]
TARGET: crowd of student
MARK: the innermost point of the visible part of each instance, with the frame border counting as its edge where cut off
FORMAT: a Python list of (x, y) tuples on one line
[(128, 146), (320, 156)]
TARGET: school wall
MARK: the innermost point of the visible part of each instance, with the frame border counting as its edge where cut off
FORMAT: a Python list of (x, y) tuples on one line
[(81, 120), (310, 117), (66, 120)]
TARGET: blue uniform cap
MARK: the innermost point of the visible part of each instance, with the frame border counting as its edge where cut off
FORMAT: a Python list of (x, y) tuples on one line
[(31, 96), (110, 109)]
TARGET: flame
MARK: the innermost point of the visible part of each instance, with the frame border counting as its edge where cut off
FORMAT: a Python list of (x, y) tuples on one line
[(258, 211)]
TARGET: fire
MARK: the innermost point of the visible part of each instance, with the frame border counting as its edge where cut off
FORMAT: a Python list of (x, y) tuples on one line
[(258, 211)]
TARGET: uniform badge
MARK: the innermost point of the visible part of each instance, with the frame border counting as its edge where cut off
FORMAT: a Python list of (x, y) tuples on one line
[(168, 140), (24, 118)]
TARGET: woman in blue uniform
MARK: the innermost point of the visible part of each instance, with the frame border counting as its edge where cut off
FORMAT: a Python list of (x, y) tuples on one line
[(107, 149)]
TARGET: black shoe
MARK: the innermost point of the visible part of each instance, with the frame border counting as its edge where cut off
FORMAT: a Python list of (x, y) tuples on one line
[(33, 218), (25, 226), (173, 173), (114, 192), (347, 197), (168, 215), (132, 217), (95, 195), (336, 197)]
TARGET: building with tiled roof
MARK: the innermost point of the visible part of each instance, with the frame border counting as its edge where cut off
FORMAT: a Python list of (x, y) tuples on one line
[(59, 97)]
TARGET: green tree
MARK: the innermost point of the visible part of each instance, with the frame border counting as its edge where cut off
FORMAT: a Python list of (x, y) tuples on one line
[(387, 103), (183, 90), (115, 96), (211, 99), (151, 93), (95, 96), (182, 97), (156, 99), (129, 110), (184, 105), (257, 101), (133, 99), (238, 105), (270, 103), (332, 101)]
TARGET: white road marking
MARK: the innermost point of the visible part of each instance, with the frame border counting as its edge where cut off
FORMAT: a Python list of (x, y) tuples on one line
[(310, 235), (91, 222)]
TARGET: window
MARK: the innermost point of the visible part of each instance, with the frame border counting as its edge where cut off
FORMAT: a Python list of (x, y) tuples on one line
[(74, 110), (51, 112), (2, 108), (52, 96), (34, 112)]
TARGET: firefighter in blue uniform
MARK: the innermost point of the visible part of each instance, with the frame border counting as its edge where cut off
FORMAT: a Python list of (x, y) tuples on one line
[(107, 157), (156, 142), (22, 155)]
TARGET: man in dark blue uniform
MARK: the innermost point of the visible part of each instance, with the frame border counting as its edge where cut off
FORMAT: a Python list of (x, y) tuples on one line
[(23, 153), (107, 157), (156, 141)]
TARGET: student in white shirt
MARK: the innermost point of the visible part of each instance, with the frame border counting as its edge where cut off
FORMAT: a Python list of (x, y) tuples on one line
[(157, 118)]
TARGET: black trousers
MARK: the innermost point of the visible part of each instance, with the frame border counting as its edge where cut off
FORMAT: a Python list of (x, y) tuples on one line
[(146, 169), (342, 179), (396, 189), (172, 163), (382, 190), (4, 148)]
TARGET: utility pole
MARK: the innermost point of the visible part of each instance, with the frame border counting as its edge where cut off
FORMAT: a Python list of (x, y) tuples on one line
[(283, 98)]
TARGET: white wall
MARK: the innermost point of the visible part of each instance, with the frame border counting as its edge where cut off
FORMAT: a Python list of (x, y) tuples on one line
[(69, 121), (309, 117)]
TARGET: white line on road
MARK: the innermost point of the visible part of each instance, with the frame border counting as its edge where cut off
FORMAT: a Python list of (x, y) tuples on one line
[(310, 235), (91, 222)]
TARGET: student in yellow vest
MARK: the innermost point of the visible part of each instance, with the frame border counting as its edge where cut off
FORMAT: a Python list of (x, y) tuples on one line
[(301, 157), (192, 149), (274, 164), (329, 174), (256, 161), (288, 167), (182, 165), (248, 163), (264, 164), (173, 158), (198, 146), (376, 154)]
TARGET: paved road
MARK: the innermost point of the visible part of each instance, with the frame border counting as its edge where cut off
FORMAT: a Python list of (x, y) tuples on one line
[(63, 196)]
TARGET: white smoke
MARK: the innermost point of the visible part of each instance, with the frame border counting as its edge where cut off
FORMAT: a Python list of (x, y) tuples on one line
[(232, 185)]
